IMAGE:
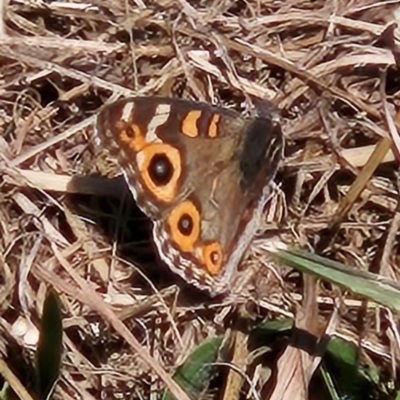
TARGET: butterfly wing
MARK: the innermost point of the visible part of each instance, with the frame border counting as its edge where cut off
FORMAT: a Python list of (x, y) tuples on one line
[(201, 173)]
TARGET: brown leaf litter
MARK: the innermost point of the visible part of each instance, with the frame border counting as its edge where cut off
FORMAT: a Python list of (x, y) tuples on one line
[(330, 67)]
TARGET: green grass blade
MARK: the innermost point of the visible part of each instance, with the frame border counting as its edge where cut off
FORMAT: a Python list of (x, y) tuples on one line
[(366, 284), (49, 351)]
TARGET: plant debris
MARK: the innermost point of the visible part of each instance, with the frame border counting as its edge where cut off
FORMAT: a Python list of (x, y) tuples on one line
[(68, 222)]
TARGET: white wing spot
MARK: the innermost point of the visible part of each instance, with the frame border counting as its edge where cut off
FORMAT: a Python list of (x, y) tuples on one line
[(127, 111), (160, 117)]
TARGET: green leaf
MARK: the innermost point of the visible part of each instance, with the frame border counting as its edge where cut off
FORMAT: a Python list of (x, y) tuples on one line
[(198, 369), (49, 351), (347, 377), (343, 350)]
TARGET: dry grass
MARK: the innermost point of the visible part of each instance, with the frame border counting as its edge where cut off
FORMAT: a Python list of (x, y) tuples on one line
[(331, 69)]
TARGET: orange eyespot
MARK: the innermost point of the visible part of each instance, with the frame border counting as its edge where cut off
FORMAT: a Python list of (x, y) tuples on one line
[(132, 131), (212, 256), (184, 225), (132, 137), (160, 166)]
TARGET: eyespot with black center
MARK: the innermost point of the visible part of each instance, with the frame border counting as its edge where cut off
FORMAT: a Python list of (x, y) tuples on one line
[(160, 169), (184, 225), (131, 138), (213, 257), (130, 132)]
